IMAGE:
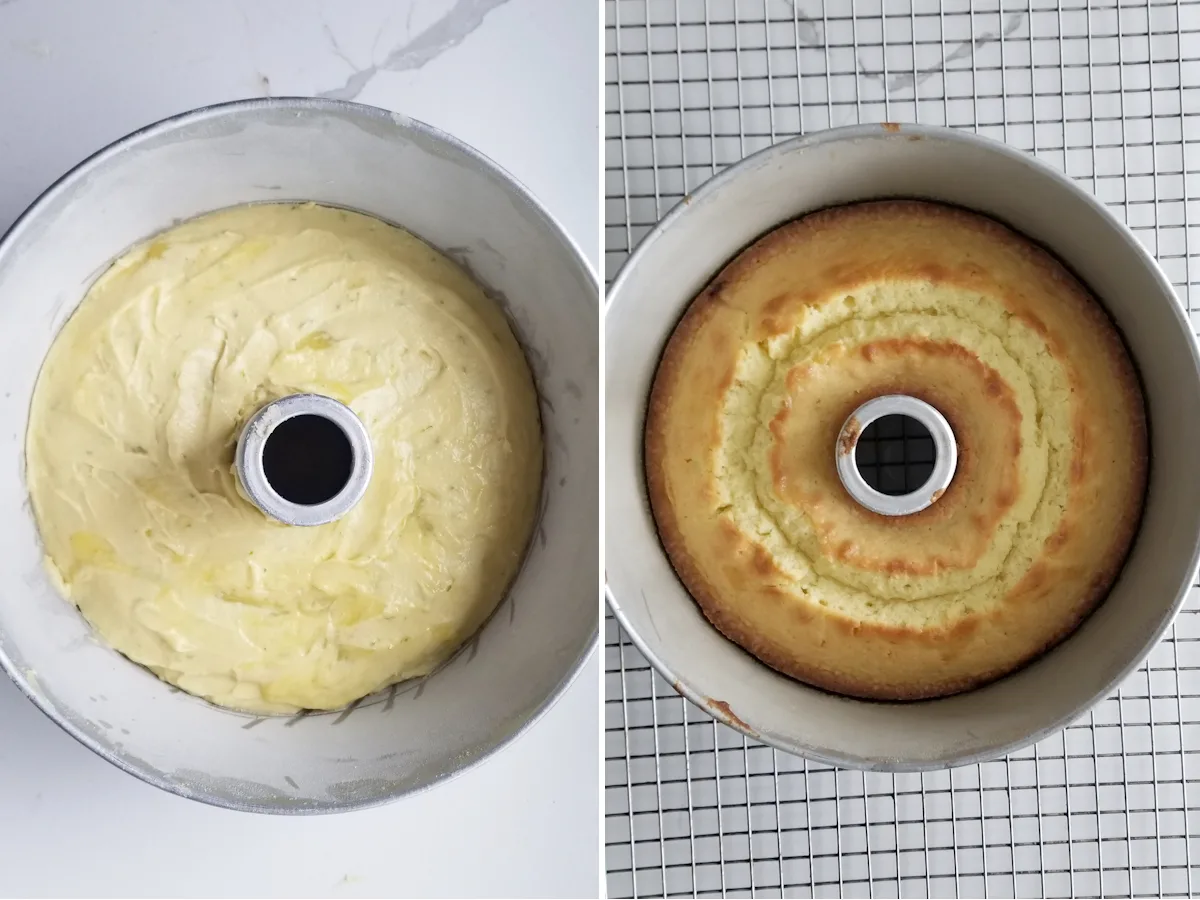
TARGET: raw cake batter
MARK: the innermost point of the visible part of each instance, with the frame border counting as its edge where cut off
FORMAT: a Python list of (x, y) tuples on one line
[(138, 408)]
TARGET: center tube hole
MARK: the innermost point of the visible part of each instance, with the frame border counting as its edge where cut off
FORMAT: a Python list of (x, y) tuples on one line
[(307, 459), (895, 455)]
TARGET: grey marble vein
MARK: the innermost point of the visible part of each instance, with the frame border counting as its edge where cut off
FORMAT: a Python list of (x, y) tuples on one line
[(446, 33), (808, 29), (963, 50)]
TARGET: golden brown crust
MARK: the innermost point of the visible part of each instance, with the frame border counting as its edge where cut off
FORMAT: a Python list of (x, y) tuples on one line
[(845, 623)]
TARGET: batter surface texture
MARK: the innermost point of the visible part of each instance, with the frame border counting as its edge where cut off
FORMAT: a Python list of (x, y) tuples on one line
[(896, 297), (137, 412)]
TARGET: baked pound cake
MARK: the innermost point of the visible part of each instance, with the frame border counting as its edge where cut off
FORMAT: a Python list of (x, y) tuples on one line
[(896, 297)]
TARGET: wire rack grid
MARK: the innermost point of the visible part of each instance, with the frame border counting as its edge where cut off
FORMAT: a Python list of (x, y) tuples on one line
[(1108, 93)]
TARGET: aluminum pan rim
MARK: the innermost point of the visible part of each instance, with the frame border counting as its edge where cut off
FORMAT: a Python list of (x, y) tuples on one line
[(483, 163), (854, 132)]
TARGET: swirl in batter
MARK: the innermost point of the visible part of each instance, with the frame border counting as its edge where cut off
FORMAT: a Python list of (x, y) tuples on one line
[(136, 415)]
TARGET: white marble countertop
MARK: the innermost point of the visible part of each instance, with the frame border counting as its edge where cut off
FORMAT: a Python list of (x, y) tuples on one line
[(519, 80)]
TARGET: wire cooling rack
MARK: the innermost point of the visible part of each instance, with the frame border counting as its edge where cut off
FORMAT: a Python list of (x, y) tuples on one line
[(1111, 806)]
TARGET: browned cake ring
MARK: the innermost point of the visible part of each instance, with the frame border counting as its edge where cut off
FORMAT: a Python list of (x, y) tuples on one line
[(896, 297)]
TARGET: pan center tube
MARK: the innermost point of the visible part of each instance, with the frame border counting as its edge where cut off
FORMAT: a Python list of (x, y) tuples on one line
[(304, 459), (896, 455)]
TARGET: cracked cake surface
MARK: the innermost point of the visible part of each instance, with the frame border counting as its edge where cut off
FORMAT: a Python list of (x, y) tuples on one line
[(896, 297)]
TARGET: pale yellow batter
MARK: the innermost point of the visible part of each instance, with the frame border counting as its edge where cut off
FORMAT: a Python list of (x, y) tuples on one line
[(138, 408)]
